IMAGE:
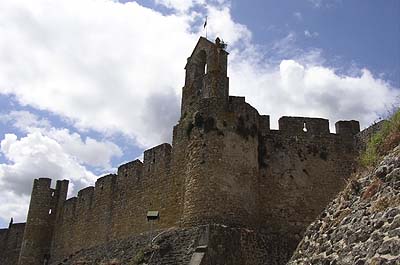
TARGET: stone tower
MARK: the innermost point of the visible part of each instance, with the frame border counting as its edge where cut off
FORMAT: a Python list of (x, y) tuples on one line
[(219, 179), (44, 211), (206, 75)]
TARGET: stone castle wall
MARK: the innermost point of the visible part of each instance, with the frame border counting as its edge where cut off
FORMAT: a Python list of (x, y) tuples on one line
[(10, 243), (301, 171), (117, 206), (225, 166), (362, 224)]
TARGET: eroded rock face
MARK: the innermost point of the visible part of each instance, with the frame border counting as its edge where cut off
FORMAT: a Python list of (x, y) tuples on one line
[(362, 225)]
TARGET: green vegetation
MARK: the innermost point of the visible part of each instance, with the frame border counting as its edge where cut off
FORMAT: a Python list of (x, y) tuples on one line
[(383, 141), (139, 257)]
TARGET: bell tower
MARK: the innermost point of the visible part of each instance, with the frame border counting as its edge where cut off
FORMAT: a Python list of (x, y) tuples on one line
[(206, 75)]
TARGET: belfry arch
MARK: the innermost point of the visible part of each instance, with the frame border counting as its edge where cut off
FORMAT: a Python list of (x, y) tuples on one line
[(206, 75)]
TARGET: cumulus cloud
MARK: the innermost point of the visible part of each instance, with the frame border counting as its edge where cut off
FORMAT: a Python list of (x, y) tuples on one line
[(221, 23), (307, 90), (118, 68), (99, 68), (45, 151), (36, 155), (310, 34), (180, 5), (87, 151), (13, 205)]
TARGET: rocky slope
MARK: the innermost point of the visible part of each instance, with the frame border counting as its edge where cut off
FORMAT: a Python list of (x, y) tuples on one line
[(362, 225)]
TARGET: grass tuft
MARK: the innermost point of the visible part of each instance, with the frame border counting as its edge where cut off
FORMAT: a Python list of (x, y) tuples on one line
[(382, 142)]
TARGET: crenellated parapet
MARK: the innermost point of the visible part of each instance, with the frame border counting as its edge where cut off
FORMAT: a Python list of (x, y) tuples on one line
[(69, 209), (299, 125), (131, 172), (157, 159), (117, 204), (347, 129), (225, 166)]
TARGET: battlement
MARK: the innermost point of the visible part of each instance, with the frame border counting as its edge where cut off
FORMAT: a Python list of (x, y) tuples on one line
[(298, 125), (264, 122), (235, 100), (131, 169), (157, 158), (225, 166), (42, 182), (70, 208), (105, 183), (347, 128), (85, 198)]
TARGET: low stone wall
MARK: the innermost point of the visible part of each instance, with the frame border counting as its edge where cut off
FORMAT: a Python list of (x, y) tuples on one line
[(200, 245), (172, 246)]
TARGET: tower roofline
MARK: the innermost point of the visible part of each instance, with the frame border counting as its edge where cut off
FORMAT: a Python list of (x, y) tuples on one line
[(207, 42)]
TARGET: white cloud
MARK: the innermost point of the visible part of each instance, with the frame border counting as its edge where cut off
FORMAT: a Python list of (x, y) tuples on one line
[(180, 5), (307, 90), (24, 120), (13, 205), (33, 156), (36, 155), (45, 152), (298, 16), (324, 3), (220, 23), (103, 64), (116, 67), (100, 68), (316, 3), (309, 34), (88, 151)]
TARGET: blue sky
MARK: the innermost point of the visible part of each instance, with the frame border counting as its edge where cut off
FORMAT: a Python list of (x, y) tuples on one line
[(88, 85), (365, 33)]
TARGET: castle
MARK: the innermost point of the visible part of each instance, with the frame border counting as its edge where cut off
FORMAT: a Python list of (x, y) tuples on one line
[(226, 170)]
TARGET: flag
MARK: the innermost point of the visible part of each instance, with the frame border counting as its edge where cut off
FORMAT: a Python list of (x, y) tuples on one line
[(205, 23)]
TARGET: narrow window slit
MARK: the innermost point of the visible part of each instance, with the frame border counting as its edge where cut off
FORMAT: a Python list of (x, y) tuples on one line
[(304, 127)]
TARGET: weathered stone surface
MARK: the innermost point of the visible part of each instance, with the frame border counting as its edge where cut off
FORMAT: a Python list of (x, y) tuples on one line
[(10, 243), (201, 245), (369, 234), (225, 167)]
